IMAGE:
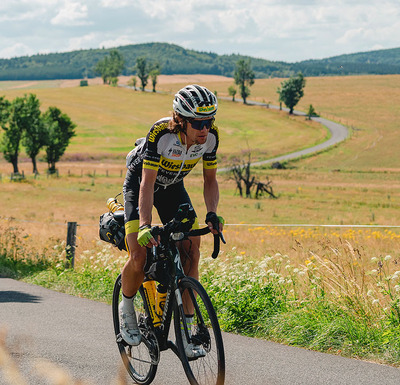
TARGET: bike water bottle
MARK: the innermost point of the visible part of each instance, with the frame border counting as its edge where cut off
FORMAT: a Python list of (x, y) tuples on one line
[(113, 205), (150, 292), (161, 295)]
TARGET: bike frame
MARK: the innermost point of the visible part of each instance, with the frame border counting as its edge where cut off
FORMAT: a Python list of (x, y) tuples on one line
[(173, 296)]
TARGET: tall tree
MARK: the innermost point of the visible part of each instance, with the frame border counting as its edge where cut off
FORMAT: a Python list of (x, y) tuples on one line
[(14, 122), (110, 67), (244, 77), (291, 91), (4, 110), (155, 71), (34, 135), (232, 92), (142, 71), (60, 130)]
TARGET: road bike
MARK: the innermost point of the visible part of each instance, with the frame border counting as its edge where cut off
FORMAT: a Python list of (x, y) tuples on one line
[(156, 309)]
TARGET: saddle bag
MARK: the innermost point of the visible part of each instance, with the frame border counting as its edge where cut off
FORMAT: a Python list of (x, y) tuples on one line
[(112, 229)]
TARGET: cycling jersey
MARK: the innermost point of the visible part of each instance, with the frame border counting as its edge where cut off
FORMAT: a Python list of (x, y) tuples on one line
[(164, 152)]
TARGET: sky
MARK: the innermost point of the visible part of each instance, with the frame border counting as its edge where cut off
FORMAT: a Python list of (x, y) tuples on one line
[(277, 30)]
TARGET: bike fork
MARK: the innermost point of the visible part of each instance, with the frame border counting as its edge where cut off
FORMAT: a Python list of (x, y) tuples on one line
[(179, 301)]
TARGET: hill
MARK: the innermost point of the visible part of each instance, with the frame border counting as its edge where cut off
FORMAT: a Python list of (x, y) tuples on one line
[(178, 60)]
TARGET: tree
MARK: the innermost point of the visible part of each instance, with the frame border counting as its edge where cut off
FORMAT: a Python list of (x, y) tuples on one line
[(34, 134), (110, 67), (12, 136), (132, 82), (14, 122), (311, 112), (232, 92), (142, 70), (244, 77), (155, 71), (291, 91), (60, 129), (242, 174)]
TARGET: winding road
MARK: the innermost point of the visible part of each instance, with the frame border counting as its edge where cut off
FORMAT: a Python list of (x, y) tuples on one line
[(77, 335), (338, 133)]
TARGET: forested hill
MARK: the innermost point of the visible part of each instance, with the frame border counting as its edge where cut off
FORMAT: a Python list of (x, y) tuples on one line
[(177, 60)]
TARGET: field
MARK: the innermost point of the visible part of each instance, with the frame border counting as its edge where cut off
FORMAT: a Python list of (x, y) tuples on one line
[(311, 235)]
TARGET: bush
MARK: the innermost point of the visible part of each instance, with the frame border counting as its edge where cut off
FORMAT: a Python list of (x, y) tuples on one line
[(84, 83)]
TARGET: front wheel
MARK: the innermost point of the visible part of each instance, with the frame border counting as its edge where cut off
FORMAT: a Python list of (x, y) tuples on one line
[(140, 361), (204, 332)]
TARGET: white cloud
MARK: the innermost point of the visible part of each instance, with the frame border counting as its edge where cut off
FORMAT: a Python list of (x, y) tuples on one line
[(116, 4), (71, 14), (119, 41), (86, 41), (18, 49)]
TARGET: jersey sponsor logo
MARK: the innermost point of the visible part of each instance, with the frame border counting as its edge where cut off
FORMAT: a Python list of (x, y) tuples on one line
[(175, 165), (155, 131), (210, 164), (175, 152), (206, 108), (197, 148), (150, 165)]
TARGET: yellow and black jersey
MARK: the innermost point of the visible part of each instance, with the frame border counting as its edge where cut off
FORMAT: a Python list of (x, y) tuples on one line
[(164, 151)]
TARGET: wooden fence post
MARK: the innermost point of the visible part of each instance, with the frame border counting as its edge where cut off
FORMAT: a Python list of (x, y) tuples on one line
[(71, 244)]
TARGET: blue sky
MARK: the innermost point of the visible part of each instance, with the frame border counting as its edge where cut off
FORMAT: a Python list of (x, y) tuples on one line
[(286, 30)]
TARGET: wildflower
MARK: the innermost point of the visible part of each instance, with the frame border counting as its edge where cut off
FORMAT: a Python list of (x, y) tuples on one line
[(388, 258), (374, 259)]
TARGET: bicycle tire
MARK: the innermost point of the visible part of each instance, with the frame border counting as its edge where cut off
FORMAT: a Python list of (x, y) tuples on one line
[(140, 361), (210, 369)]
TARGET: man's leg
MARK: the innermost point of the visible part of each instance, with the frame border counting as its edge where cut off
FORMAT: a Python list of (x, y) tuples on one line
[(133, 271), (132, 277)]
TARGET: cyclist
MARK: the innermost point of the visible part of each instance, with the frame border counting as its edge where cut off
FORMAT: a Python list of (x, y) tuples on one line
[(156, 168)]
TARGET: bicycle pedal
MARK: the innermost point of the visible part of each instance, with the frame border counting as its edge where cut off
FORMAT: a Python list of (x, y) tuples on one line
[(120, 340)]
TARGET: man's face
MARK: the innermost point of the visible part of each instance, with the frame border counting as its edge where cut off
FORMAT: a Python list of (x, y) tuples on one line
[(198, 129)]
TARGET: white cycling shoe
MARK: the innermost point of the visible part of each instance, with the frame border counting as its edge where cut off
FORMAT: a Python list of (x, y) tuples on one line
[(192, 350), (129, 327)]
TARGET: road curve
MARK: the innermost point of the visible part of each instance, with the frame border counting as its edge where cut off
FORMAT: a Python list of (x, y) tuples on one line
[(77, 335), (338, 133)]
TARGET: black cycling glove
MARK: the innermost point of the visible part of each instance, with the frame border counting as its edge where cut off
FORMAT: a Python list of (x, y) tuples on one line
[(214, 219)]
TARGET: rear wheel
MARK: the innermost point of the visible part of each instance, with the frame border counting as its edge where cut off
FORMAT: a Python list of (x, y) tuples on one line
[(205, 332), (140, 361)]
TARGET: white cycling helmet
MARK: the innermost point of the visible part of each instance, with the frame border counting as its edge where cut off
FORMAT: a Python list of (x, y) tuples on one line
[(195, 101)]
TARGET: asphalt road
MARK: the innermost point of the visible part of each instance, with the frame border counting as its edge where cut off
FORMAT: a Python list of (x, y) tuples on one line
[(77, 335), (338, 133)]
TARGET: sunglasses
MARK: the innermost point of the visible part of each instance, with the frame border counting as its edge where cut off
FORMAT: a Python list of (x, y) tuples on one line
[(200, 124)]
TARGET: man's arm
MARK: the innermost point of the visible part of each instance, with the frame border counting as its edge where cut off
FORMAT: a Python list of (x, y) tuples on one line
[(211, 194), (146, 196)]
